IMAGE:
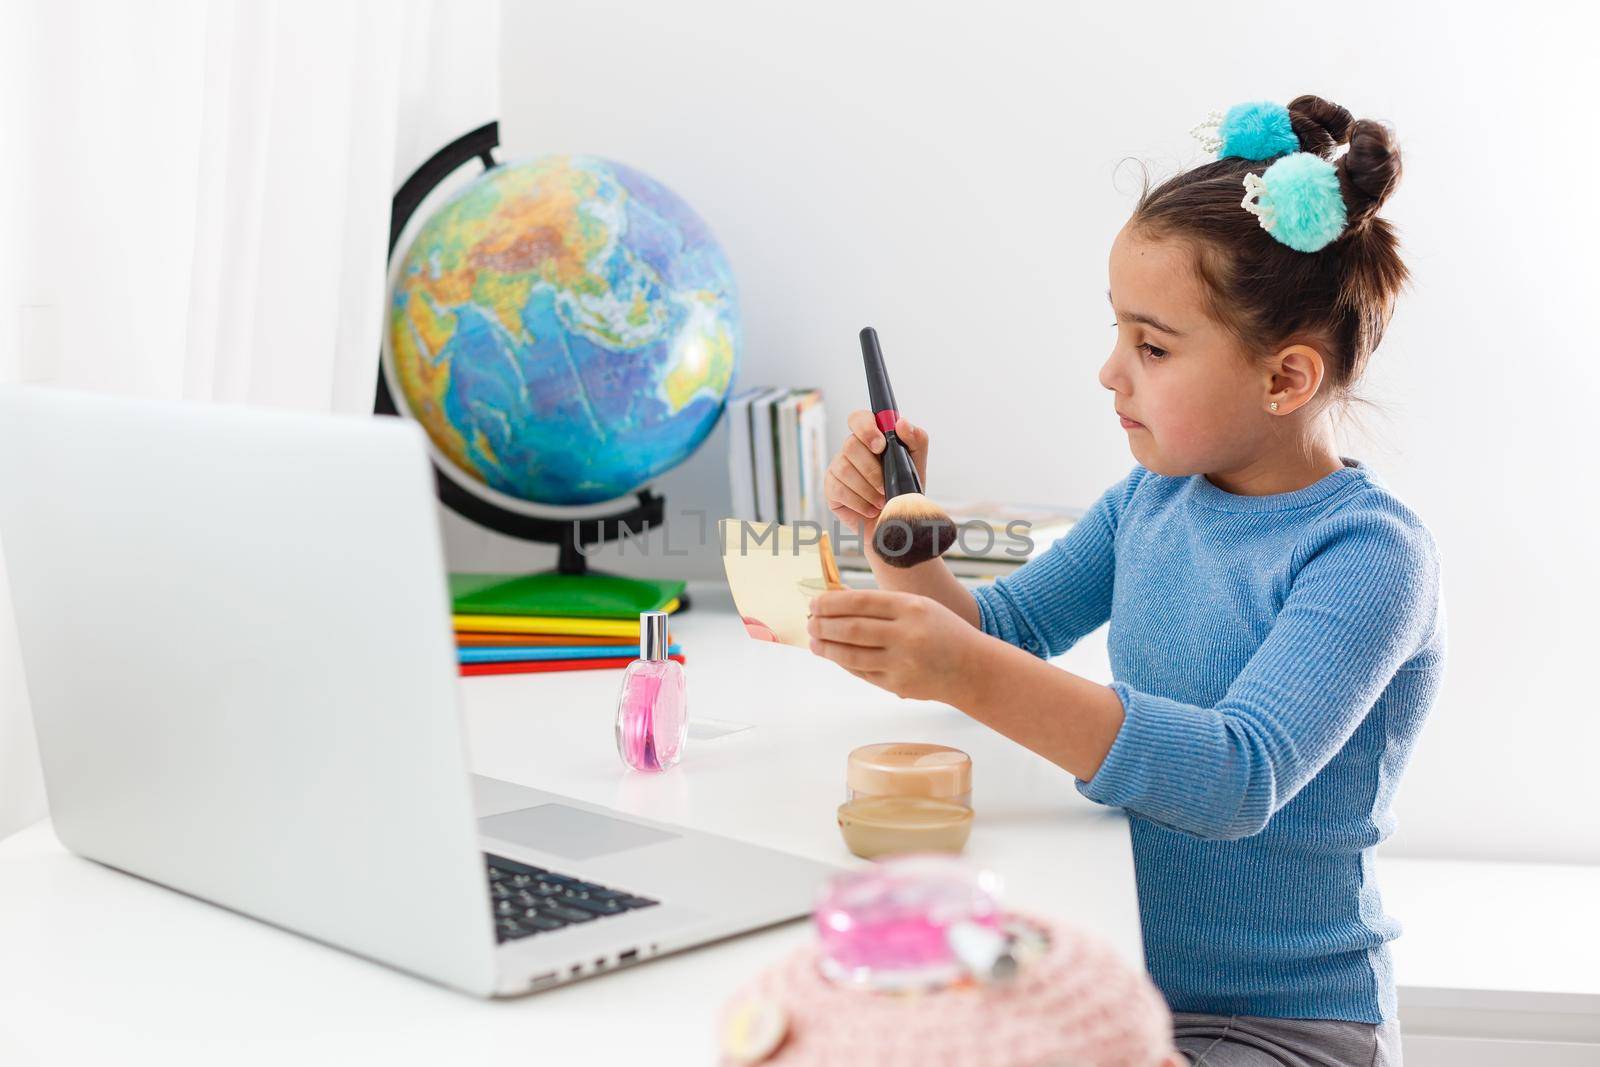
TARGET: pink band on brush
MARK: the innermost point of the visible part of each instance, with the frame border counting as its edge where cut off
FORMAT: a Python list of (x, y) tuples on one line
[(887, 418)]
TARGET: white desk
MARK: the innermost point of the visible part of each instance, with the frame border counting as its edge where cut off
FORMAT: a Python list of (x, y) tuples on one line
[(1496, 951), (96, 966)]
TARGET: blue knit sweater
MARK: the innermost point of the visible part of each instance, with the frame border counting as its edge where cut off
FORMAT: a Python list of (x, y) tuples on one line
[(1275, 657)]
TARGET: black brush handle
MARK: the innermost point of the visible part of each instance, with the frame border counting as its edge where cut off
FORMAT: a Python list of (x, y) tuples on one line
[(899, 472), (879, 392)]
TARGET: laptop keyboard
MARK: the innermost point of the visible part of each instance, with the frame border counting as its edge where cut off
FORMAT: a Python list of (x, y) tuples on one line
[(531, 900)]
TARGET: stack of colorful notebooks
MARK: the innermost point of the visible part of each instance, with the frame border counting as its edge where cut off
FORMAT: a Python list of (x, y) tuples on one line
[(519, 624)]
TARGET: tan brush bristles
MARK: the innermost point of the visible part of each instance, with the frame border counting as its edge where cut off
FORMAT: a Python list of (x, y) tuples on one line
[(930, 530), (830, 566)]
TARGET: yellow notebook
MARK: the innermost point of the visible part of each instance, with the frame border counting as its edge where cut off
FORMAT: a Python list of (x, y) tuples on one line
[(552, 624)]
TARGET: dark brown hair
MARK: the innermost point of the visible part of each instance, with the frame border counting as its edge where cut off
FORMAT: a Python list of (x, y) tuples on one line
[(1268, 294)]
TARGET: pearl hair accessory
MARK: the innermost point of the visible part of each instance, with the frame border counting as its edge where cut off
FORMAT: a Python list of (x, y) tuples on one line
[(1296, 198), (1209, 133), (1298, 201), (1257, 129)]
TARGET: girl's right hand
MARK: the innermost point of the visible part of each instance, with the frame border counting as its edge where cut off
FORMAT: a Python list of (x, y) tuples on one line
[(854, 483)]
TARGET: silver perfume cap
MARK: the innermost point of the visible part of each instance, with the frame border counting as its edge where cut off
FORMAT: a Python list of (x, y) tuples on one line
[(652, 635)]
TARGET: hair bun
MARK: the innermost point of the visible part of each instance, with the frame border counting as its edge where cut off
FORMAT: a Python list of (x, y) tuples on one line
[(1321, 125), (1370, 170)]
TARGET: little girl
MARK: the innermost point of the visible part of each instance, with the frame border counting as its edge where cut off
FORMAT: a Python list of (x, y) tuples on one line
[(1276, 631)]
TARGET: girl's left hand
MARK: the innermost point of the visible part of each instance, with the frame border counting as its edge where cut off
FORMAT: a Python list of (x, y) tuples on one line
[(909, 644)]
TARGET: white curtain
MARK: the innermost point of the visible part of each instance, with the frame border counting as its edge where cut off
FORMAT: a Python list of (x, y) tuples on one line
[(197, 205)]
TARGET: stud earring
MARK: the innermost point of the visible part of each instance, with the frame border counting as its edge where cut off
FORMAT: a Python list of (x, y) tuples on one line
[(1273, 406)]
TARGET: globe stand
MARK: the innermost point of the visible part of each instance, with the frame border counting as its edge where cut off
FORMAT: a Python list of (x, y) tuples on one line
[(570, 536)]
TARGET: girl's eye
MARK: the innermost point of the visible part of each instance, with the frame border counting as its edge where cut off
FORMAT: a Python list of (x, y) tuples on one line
[(1152, 351)]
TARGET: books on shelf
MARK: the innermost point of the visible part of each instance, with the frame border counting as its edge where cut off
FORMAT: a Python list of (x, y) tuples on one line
[(777, 454), (1017, 527), (1020, 533), (853, 563)]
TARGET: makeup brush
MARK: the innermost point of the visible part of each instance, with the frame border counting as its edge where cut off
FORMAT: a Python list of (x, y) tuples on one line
[(831, 578), (911, 528)]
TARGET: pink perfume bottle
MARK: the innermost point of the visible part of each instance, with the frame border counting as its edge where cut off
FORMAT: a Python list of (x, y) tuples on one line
[(652, 711)]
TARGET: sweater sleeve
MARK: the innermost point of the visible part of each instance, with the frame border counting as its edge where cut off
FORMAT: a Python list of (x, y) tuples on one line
[(1359, 608), (1064, 593)]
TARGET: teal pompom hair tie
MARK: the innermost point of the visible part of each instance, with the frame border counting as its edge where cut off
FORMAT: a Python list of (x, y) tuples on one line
[(1298, 201), (1259, 129)]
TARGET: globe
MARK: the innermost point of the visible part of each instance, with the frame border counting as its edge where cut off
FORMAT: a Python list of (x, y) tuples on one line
[(564, 329)]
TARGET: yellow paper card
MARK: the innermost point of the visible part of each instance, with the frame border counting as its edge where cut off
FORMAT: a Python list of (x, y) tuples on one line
[(773, 572)]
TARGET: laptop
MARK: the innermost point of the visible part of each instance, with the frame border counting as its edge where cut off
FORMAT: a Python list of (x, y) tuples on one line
[(235, 628)]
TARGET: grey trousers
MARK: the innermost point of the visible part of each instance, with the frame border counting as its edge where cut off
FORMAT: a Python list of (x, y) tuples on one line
[(1252, 1041)]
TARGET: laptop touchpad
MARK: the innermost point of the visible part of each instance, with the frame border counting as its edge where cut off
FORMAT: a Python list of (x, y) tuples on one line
[(569, 832)]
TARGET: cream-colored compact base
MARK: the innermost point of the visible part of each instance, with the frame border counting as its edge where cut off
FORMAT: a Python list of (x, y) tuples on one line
[(888, 826)]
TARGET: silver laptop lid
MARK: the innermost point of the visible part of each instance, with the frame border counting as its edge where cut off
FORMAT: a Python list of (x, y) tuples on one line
[(235, 630)]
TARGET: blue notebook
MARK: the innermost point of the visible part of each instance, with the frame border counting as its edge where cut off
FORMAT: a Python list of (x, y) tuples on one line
[(523, 653)]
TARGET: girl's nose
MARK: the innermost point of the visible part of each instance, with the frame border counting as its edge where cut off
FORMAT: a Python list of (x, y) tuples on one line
[(1110, 373)]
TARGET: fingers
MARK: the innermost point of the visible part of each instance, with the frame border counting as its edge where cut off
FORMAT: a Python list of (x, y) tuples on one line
[(851, 520), (865, 429), (850, 657), (915, 437), (851, 630), (841, 495), (870, 665), (854, 480), (867, 603), (877, 678), (850, 476), (863, 462), (916, 441)]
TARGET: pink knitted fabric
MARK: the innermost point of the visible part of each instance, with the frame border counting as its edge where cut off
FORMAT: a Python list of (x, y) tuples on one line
[(1079, 1004)]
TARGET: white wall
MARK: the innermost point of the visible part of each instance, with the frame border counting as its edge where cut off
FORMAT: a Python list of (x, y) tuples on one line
[(194, 202), (62, 61), (950, 174), (21, 784)]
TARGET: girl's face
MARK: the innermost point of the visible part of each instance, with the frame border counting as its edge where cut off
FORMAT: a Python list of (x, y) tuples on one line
[(1190, 400)]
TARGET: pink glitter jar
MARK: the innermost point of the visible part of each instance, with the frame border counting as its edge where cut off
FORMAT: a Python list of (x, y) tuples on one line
[(902, 923)]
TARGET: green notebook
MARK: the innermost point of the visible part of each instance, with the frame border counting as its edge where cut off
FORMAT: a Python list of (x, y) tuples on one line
[(594, 596)]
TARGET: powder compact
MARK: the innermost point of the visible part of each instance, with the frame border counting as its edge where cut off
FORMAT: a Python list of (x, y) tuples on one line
[(906, 797)]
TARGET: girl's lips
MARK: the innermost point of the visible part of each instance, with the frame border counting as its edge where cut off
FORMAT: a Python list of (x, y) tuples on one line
[(1129, 424)]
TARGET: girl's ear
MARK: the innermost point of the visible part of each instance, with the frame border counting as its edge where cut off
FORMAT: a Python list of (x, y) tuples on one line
[(1295, 374)]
